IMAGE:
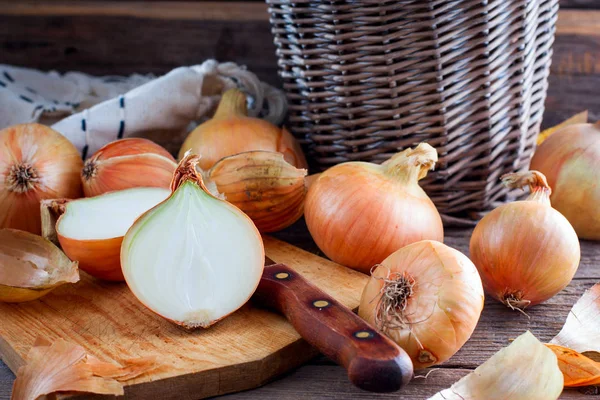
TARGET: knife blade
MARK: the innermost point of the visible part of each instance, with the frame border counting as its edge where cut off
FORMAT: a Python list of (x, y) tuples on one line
[(373, 361)]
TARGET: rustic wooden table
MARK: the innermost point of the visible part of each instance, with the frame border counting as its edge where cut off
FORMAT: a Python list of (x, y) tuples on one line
[(81, 36)]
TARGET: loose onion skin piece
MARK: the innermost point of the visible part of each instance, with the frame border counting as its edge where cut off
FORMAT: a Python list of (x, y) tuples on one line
[(570, 159), (264, 186), (31, 266), (359, 213), (127, 163), (231, 131), (524, 370), (193, 259), (36, 163), (525, 251), (427, 297)]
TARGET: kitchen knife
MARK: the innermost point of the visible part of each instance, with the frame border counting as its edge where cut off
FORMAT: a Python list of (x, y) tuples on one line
[(373, 361)]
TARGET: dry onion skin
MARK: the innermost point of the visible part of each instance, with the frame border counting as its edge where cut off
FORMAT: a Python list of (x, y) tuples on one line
[(36, 163), (524, 370), (427, 297), (581, 331), (66, 367), (578, 370), (194, 258), (359, 213), (570, 159), (91, 229), (525, 251), (231, 131), (263, 185), (31, 266), (127, 163)]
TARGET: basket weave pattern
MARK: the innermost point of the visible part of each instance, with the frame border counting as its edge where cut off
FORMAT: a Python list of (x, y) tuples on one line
[(367, 78)]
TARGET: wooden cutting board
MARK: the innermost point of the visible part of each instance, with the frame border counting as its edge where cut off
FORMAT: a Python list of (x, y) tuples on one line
[(245, 350)]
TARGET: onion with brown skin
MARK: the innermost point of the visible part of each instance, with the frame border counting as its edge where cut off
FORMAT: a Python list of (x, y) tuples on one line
[(36, 163), (359, 213), (570, 159), (127, 163), (427, 297), (525, 251), (263, 185), (231, 131), (31, 266)]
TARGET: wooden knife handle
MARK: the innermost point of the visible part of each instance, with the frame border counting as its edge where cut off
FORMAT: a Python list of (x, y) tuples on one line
[(373, 361)]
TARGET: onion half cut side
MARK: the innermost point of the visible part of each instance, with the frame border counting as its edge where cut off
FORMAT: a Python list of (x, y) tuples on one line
[(194, 258), (91, 229)]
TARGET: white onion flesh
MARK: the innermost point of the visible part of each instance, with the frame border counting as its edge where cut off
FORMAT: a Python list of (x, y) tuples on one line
[(193, 259), (109, 215)]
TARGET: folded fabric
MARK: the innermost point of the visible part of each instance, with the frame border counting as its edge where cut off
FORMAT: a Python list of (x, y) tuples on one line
[(100, 110)]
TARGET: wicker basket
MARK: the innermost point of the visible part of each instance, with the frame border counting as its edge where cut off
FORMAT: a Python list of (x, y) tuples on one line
[(366, 78)]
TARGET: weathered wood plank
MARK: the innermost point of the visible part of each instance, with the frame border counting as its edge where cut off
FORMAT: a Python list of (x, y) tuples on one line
[(169, 10), (589, 4), (330, 382), (126, 44), (128, 37)]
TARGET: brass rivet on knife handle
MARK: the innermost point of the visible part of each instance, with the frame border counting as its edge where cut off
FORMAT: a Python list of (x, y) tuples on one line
[(373, 361)]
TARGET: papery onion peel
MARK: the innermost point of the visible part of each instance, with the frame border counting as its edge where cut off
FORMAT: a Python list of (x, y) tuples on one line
[(66, 367), (31, 266), (525, 370)]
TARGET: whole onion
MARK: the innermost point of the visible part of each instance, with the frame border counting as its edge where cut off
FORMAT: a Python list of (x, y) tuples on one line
[(36, 163), (427, 297), (231, 131), (570, 159), (359, 213), (525, 251)]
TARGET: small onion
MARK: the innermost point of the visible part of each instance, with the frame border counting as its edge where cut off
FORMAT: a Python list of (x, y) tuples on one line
[(525, 251), (31, 266), (127, 163), (263, 185), (427, 297), (36, 163), (359, 213), (570, 159), (231, 131)]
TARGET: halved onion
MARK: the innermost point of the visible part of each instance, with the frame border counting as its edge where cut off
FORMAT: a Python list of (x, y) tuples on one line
[(194, 258), (91, 229), (31, 266)]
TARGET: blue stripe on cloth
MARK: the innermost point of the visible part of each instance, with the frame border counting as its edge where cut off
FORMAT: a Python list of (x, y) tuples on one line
[(121, 130), (7, 76)]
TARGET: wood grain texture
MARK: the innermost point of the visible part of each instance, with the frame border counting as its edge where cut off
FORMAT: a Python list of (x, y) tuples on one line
[(243, 351), (127, 44)]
